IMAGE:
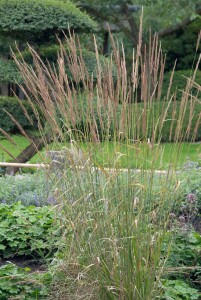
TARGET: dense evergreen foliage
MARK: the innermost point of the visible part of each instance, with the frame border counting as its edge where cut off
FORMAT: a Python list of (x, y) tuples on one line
[(49, 54), (179, 82), (12, 106), (182, 47), (37, 23), (38, 20), (9, 71)]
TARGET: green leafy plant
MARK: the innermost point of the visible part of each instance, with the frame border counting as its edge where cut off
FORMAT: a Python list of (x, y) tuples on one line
[(185, 249), (179, 290), (9, 72), (29, 189), (20, 283), (28, 231)]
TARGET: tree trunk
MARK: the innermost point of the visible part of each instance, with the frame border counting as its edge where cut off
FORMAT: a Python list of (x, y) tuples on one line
[(4, 89), (21, 94), (106, 44), (37, 144)]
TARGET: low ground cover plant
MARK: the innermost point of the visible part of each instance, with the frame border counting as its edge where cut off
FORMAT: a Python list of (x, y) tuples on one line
[(28, 231), (20, 283), (35, 189), (179, 290)]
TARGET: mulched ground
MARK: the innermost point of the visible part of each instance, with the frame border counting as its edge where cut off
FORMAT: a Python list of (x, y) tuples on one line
[(23, 262)]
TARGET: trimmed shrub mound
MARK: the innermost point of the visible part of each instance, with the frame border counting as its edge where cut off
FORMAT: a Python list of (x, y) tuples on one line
[(179, 82), (12, 106), (35, 19)]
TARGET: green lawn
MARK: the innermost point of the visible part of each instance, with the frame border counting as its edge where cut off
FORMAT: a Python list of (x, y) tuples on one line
[(21, 143), (135, 156), (119, 154)]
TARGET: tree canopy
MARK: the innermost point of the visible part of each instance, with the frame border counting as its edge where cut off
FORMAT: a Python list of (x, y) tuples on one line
[(39, 21), (163, 16)]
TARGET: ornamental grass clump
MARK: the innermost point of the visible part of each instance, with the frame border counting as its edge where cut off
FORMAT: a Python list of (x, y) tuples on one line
[(115, 221)]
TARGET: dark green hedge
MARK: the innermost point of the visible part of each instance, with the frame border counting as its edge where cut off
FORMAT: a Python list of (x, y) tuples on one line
[(179, 82), (157, 110), (153, 114), (50, 53), (9, 72), (12, 106)]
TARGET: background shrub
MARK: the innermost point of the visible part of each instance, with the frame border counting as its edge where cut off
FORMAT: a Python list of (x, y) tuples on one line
[(153, 112), (182, 46), (9, 72), (12, 106), (179, 82), (157, 109), (39, 19), (50, 53)]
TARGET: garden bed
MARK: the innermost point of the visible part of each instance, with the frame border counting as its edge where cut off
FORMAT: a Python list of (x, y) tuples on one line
[(31, 236)]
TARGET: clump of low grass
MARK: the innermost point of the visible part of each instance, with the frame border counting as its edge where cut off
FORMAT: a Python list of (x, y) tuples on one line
[(115, 221)]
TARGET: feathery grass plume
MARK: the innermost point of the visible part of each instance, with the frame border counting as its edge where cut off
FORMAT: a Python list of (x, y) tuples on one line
[(115, 221)]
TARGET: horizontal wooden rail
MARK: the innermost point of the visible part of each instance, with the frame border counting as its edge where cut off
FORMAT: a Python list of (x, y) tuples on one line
[(23, 165), (42, 165)]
